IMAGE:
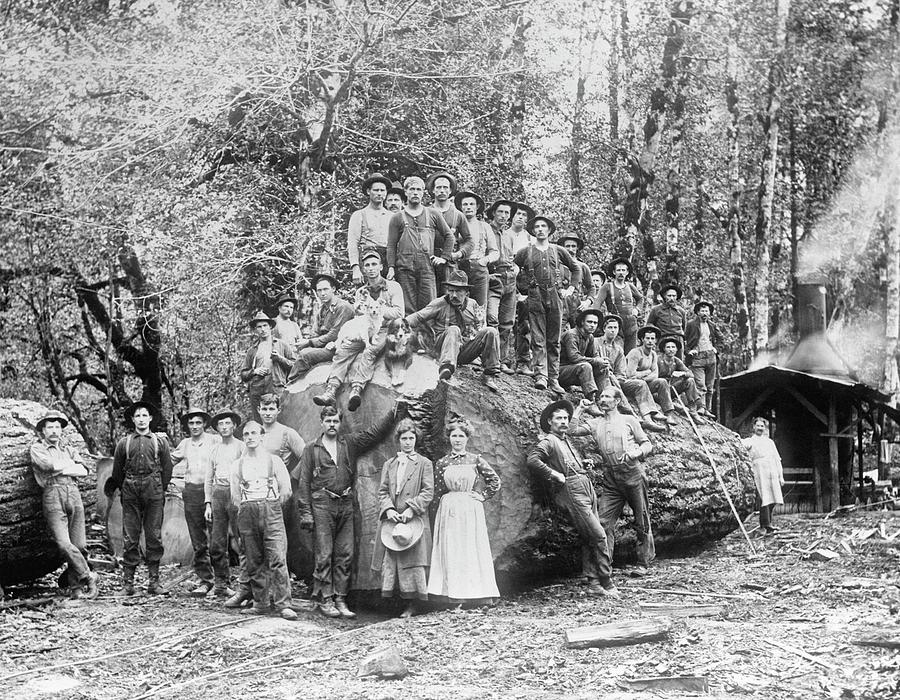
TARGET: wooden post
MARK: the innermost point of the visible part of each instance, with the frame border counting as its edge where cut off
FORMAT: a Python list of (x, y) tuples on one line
[(859, 445), (833, 454)]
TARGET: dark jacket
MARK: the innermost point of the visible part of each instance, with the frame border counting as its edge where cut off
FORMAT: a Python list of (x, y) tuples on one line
[(440, 314), (534, 274), (549, 455), (576, 347), (329, 321), (692, 337), (136, 454)]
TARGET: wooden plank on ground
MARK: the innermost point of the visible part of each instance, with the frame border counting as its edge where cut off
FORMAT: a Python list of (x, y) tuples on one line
[(683, 609), (696, 684), (622, 633)]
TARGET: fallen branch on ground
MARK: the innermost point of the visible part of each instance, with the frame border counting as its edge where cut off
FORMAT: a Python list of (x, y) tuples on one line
[(697, 594), (27, 602), (801, 653)]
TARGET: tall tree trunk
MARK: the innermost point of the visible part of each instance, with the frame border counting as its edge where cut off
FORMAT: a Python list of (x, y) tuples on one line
[(766, 198), (674, 177), (795, 224), (618, 99)]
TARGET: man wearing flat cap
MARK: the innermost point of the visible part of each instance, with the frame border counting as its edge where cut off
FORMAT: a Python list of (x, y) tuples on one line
[(668, 317), (483, 250), (418, 240), (368, 226), (286, 328), (57, 467), (442, 186), (555, 460), (460, 334), (193, 455), (142, 468), (623, 299), (541, 278), (333, 313), (266, 363), (702, 340)]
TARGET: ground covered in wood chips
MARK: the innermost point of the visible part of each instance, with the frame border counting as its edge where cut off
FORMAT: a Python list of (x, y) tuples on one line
[(787, 630)]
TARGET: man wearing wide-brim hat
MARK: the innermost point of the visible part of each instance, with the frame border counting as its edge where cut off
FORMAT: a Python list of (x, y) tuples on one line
[(557, 462), (620, 297), (193, 455), (286, 328), (483, 250), (460, 333), (442, 187), (702, 340), (142, 469), (499, 214), (57, 466), (581, 298), (643, 363), (680, 378), (266, 362), (541, 279), (368, 227), (668, 317)]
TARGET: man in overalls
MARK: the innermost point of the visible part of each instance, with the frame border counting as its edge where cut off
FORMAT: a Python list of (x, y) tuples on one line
[(622, 298)]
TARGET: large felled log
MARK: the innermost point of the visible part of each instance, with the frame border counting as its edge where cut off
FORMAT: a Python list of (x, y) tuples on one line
[(529, 538), (26, 549)]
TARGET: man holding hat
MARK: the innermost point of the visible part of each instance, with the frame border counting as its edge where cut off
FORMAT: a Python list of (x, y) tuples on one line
[(702, 339), (581, 299), (483, 250), (622, 298), (333, 313), (442, 186), (460, 334), (680, 378), (541, 278), (142, 468), (286, 328), (418, 239), (394, 202), (368, 226), (643, 363), (57, 467), (555, 460), (266, 363), (667, 316), (194, 453)]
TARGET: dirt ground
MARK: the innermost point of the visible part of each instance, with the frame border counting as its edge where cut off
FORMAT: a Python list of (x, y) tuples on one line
[(787, 630)]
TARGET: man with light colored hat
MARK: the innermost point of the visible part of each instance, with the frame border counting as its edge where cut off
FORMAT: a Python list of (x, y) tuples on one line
[(368, 227), (194, 455), (460, 332), (57, 467), (286, 328), (321, 345), (702, 340), (483, 251), (266, 363)]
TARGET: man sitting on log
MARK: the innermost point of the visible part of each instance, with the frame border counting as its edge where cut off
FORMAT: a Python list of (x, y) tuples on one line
[(356, 358), (368, 227), (460, 333), (642, 363), (621, 444), (266, 362), (286, 329), (668, 317), (142, 468), (195, 452), (555, 459), (333, 313), (327, 476), (57, 467), (260, 486), (580, 363), (678, 375)]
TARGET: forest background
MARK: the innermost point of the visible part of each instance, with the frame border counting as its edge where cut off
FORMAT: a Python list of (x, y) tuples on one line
[(170, 166)]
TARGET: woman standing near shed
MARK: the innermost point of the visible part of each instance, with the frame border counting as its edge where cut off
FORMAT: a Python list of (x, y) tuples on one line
[(767, 471)]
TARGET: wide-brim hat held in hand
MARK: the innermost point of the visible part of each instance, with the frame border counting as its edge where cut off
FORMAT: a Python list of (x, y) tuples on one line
[(401, 536)]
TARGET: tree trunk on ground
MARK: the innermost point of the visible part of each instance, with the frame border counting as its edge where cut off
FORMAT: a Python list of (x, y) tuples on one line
[(27, 551)]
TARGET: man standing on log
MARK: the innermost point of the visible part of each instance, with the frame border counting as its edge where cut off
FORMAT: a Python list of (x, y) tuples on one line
[(483, 251), (581, 298), (460, 334), (621, 443), (642, 363), (518, 353), (142, 468), (327, 476), (701, 342), (667, 316), (555, 459), (501, 311), (356, 358), (415, 235), (368, 227), (622, 298), (442, 186), (541, 279), (333, 313), (260, 487), (196, 453), (57, 466), (266, 363), (286, 328)]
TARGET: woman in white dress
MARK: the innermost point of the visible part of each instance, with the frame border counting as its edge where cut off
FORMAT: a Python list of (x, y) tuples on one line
[(767, 471), (462, 567)]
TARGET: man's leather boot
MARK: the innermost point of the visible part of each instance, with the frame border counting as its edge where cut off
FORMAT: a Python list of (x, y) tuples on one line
[(127, 582), (327, 397), (153, 585)]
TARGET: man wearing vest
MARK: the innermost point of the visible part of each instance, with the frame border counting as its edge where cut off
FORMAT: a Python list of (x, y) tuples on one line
[(701, 342), (219, 510), (327, 476), (460, 334), (442, 186), (418, 239), (57, 466), (555, 460), (540, 277), (142, 468), (483, 250), (368, 226), (333, 313), (582, 298), (622, 298), (621, 444), (194, 454), (667, 316), (502, 298), (260, 487), (642, 363), (286, 328), (266, 362)]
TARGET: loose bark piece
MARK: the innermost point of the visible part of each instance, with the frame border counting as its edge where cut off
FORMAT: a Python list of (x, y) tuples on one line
[(384, 663), (889, 639), (683, 610), (616, 634), (824, 555), (696, 684), (800, 653)]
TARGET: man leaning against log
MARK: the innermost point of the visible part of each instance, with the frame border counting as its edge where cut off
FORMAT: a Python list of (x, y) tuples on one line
[(57, 466)]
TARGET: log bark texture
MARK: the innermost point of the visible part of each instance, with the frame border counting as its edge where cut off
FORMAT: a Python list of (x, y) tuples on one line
[(26, 549)]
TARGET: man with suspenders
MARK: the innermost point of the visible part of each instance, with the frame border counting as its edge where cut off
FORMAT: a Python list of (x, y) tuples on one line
[(623, 299), (368, 227)]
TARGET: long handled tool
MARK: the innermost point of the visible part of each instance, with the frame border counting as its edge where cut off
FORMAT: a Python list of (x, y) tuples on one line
[(715, 469)]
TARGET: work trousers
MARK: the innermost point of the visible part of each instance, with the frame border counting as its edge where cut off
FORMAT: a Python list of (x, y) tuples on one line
[(307, 358), (578, 498), (64, 513), (660, 390), (449, 348), (502, 309), (415, 275), (628, 332), (545, 324), (703, 367), (333, 519), (638, 394), (261, 525), (687, 390), (224, 525), (194, 515), (143, 501), (580, 374), (621, 484), (522, 341), (478, 282)]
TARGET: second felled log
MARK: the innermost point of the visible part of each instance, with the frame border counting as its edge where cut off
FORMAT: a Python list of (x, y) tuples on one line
[(617, 634)]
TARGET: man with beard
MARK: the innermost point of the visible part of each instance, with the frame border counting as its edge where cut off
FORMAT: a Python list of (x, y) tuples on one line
[(642, 363), (266, 363), (701, 342), (667, 316), (622, 298), (368, 227), (483, 251), (333, 313)]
